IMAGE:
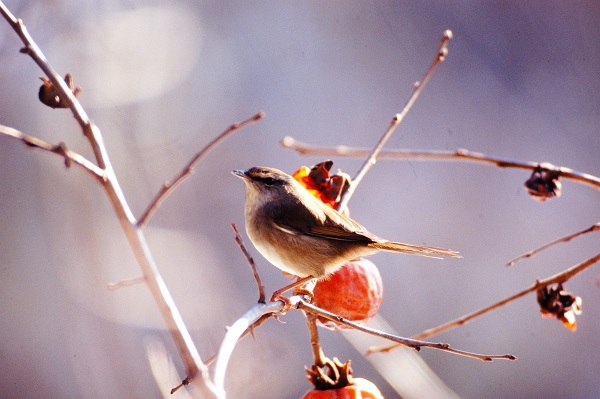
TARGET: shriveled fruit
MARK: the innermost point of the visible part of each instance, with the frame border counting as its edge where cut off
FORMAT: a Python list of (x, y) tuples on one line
[(354, 292), (358, 389), (325, 186)]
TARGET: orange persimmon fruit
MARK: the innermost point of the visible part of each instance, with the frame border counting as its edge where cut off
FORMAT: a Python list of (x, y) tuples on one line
[(354, 292)]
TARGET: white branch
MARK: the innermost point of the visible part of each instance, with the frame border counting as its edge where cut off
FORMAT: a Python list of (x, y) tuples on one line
[(233, 335)]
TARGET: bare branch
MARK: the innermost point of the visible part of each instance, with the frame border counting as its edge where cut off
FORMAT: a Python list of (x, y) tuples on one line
[(299, 303), (558, 278), (168, 187), (61, 149), (459, 155), (398, 118), (569, 237)]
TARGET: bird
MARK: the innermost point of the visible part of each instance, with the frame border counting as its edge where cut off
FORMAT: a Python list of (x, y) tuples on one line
[(302, 236)]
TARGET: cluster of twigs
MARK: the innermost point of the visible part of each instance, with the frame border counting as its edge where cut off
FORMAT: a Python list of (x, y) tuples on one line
[(60, 93)]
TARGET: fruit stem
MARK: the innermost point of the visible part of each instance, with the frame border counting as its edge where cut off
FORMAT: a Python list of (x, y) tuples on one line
[(318, 355)]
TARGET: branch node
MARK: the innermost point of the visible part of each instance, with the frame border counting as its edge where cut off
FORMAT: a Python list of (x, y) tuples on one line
[(442, 54), (184, 382), (61, 149)]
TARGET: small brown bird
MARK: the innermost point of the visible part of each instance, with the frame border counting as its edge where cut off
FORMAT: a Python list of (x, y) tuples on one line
[(302, 236)]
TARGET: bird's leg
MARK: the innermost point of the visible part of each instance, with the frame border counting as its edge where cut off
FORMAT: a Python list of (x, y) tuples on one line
[(278, 294)]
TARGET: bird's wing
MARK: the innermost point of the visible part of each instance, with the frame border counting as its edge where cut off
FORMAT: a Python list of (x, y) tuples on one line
[(321, 221)]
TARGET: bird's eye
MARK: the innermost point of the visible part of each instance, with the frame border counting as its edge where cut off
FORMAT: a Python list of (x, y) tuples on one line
[(269, 181)]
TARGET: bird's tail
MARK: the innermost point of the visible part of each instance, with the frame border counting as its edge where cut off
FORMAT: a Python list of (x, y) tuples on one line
[(431, 252)]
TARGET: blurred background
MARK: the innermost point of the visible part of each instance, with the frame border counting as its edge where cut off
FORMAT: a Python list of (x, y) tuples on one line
[(161, 80)]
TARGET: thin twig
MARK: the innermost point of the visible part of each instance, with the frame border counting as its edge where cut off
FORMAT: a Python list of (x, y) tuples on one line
[(240, 243), (126, 283), (398, 118), (458, 155), (168, 187), (299, 303), (569, 237), (164, 301), (558, 278), (61, 149)]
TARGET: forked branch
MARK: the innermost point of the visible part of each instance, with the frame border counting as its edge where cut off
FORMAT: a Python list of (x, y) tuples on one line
[(409, 342), (60, 149)]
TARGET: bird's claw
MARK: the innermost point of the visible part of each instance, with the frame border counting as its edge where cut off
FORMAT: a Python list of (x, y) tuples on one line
[(287, 304)]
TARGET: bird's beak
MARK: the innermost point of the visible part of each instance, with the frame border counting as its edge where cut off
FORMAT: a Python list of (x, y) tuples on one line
[(241, 173)]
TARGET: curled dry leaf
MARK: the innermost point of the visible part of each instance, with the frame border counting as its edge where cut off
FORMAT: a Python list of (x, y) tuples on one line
[(543, 184), (558, 303), (325, 186)]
